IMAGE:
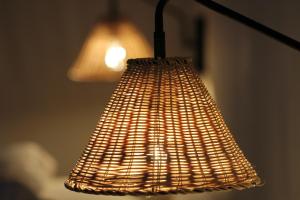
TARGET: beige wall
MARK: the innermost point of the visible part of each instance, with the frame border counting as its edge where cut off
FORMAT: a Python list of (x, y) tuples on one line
[(39, 41), (256, 79), (258, 87)]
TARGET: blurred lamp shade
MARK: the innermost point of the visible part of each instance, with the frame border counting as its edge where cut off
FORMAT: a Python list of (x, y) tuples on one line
[(161, 133), (105, 51)]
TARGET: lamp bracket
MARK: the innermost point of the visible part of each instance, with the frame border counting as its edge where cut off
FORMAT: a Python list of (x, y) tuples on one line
[(113, 9), (159, 35)]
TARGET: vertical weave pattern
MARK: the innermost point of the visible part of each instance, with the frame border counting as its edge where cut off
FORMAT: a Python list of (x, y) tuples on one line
[(161, 132)]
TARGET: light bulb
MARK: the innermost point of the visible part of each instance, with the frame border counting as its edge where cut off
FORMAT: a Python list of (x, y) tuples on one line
[(115, 57)]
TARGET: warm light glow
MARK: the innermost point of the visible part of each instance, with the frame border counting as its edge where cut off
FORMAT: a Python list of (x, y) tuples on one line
[(115, 57), (104, 53)]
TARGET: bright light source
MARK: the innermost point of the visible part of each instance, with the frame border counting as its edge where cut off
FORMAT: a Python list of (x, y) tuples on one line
[(103, 55), (115, 57)]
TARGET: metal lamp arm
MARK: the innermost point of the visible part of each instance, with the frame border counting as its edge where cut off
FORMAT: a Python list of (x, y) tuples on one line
[(159, 35)]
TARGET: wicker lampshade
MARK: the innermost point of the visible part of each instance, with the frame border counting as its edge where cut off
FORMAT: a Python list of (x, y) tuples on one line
[(104, 53), (161, 133)]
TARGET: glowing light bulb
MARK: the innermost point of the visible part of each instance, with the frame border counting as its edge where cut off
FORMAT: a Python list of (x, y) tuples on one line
[(115, 57)]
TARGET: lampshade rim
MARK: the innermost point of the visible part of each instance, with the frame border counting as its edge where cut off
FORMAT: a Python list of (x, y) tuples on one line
[(77, 187), (113, 21), (159, 61)]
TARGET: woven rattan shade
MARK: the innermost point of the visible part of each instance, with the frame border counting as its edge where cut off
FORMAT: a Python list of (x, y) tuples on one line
[(161, 132)]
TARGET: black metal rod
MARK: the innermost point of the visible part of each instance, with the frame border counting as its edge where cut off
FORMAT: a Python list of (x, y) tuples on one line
[(179, 15), (251, 23), (113, 9), (159, 35)]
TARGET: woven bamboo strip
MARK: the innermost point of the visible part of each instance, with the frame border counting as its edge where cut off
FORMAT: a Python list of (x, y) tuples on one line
[(161, 133)]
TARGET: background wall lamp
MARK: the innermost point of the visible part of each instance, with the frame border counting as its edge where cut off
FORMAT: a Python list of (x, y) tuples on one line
[(161, 131), (111, 42)]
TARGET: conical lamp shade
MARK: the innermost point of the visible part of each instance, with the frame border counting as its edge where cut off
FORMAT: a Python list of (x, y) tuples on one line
[(161, 133), (104, 53)]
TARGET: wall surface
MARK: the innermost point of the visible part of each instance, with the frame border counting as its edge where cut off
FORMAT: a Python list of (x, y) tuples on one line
[(258, 87), (256, 80)]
